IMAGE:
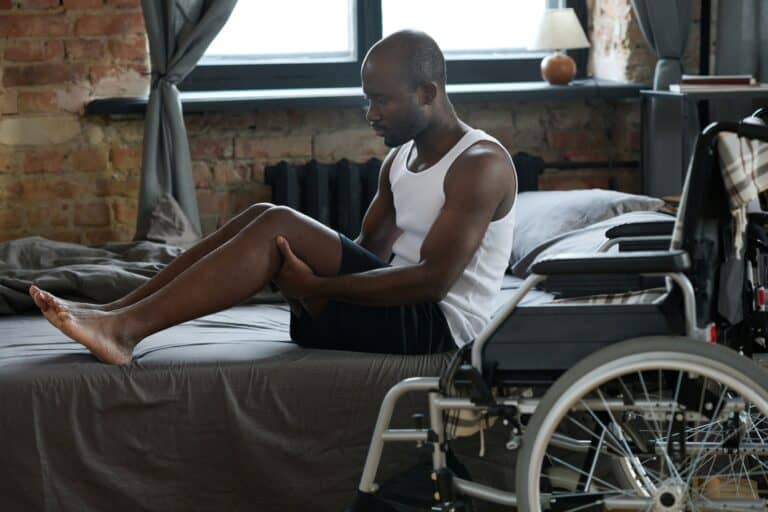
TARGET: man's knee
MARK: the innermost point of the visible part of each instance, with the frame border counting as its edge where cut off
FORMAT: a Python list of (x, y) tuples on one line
[(279, 215), (257, 209)]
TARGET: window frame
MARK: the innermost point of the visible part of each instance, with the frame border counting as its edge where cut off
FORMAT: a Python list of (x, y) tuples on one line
[(223, 77)]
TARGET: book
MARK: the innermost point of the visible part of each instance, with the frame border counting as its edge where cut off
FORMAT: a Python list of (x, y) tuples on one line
[(718, 80), (715, 87)]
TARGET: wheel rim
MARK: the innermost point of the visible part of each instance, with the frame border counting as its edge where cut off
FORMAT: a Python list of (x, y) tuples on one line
[(690, 483)]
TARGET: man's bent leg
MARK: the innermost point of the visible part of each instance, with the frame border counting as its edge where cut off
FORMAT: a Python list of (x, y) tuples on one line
[(224, 277), (178, 265)]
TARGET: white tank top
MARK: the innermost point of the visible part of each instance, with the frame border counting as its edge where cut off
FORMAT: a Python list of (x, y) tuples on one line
[(418, 199)]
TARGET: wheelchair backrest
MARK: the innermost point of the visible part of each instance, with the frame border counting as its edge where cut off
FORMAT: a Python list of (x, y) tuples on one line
[(707, 224)]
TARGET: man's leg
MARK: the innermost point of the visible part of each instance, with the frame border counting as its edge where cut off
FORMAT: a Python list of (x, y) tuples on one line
[(175, 267), (224, 277)]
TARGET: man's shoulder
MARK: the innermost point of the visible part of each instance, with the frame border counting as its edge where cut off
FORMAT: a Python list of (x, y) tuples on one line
[(486, 157)]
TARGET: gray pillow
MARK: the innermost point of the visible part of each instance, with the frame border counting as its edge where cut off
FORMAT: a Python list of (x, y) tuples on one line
[(584, 240), (542, 215)]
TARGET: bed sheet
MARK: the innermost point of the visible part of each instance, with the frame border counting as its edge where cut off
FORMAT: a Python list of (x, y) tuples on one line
[(221, 413)]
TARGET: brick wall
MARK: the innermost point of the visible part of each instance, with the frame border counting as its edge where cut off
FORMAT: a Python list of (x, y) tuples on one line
[(64, 175), (619, 51), (72, 177)]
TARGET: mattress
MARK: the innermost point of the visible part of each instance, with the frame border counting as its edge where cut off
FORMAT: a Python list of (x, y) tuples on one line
[(220, 413)]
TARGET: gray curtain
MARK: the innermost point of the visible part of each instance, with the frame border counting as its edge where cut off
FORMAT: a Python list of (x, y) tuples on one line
[(665, 25), (179, 31), (742, 38)]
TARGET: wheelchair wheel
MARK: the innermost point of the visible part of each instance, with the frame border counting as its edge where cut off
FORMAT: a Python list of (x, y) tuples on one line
[(661, 424)]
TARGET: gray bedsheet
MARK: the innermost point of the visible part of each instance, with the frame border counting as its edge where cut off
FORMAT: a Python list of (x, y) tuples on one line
[(221, 413), (90, 274)]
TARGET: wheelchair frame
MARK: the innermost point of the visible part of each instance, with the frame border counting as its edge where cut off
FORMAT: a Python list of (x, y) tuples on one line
[(448, 486)]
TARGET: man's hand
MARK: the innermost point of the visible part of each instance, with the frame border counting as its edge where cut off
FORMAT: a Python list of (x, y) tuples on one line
[(295, 279)]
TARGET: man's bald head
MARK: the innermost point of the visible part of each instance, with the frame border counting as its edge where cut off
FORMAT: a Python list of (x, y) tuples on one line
[(417, 56)]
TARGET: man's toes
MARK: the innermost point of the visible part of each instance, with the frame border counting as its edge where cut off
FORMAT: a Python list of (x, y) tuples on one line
[(34, 292)]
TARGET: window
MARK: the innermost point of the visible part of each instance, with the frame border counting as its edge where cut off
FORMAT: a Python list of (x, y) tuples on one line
[(256, 34), (310, 43)]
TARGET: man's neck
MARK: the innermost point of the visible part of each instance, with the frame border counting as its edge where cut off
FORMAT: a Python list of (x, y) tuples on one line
[(439, 138)]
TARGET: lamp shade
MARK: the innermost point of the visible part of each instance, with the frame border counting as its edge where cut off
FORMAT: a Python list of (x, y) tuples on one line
[(559, 29)]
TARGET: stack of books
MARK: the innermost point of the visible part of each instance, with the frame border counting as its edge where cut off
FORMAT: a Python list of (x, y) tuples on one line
[(707, 83)]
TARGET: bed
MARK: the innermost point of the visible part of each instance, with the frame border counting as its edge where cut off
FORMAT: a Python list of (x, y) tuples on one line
[(221, 413)]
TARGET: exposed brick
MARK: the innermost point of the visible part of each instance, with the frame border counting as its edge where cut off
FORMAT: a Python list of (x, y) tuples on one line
[(128, 187), (34, 101), (72, 98), (212, 203), (274, 148), (7, 162), (228, 173), (85, 49), (92, 214), (124, 4), (33, 190), (242, 197), (9, 101), (44, 161), (125, 158), (38, 4), (70, 236), (35, 51), (356, 145), (125, 211), (90, 159), (9, 218), (576, 139), (210, 148), (100, 236), (43, 74), (49, 215), (83, 4), (109, 24), (134, 48), (202, 175), (33, 25)]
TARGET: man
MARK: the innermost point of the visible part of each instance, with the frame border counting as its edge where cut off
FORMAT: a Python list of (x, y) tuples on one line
[(443, 212)]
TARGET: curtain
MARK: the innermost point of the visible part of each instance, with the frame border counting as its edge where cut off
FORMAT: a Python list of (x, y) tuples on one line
[(742, 38), (178, 31), (665, 25)]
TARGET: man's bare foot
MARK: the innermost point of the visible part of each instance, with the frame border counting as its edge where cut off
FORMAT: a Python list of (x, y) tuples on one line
[(91, 328), (34, 291)]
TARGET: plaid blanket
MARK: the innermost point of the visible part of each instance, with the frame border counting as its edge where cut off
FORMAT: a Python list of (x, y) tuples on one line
[(744, 167)]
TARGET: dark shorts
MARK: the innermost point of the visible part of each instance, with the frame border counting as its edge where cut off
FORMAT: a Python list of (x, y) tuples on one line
[(408, 329)]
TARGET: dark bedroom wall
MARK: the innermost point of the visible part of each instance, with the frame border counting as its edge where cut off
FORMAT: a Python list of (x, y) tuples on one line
[(72, 177)]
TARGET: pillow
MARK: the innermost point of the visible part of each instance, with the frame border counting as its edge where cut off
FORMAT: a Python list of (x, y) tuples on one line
[(542, 215), (584, 240)]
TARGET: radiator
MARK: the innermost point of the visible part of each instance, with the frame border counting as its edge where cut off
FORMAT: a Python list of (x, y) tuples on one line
[(336, 194)]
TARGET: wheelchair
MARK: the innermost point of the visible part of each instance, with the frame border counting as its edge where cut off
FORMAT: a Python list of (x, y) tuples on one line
[(654, 406)]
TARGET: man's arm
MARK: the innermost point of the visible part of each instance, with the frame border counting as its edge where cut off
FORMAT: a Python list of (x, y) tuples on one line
[(379, 230), (477, 184)]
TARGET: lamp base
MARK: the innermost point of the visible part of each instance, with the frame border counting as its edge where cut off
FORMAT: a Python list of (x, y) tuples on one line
[(558, 69)]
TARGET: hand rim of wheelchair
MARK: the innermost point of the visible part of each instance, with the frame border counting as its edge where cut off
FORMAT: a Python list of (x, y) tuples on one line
[(718, 364)]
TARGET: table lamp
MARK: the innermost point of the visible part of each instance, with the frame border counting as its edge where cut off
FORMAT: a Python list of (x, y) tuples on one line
[(559, 29)]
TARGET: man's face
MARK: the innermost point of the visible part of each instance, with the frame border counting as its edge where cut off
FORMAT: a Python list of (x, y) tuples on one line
[(394, 109)]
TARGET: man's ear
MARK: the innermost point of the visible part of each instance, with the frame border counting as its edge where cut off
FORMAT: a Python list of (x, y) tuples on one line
[(428, 93)]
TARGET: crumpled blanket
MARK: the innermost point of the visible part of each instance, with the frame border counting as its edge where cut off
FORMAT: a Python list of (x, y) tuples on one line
[(77, 272)]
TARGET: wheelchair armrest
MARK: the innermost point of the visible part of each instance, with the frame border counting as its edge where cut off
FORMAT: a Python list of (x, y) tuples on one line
[(642, 262), (760, 218), (655, 228), (644, 243)]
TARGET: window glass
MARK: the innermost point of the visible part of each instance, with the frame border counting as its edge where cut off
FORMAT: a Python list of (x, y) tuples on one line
[(466, 30), (286, 31)]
